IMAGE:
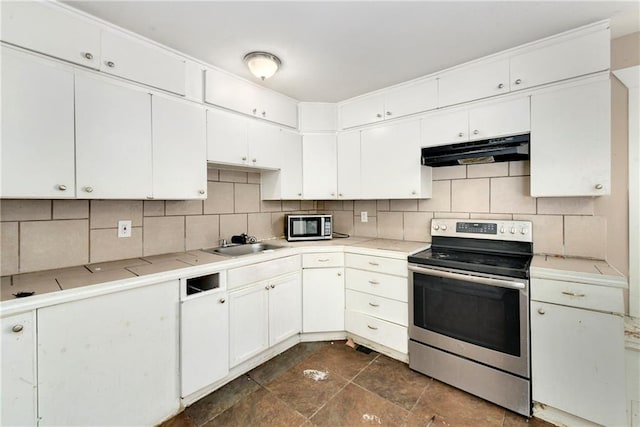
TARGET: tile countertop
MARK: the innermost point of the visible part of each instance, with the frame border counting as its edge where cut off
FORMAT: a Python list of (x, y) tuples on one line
[(49, 281), (590, 271)]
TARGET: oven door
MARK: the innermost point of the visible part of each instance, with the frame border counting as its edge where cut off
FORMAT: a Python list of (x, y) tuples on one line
[(480, 317)]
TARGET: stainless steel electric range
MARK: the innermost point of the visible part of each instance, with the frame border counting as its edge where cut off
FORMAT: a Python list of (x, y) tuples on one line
[(469, 309)]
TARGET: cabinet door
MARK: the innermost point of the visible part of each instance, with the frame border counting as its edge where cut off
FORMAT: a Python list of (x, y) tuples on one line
[(391, 161), (323, 299), (577, 362), (226, 138), (570, 58), (248, 323), (278, 108), (319, 167), (204, 341), (113, 141), (19, 370), (111, 359), (348, 148), (179, 150), (411, 99), (37, 128), (285, 308), (136, 60), (499, 119), (445, 128), (287, 182), (264, 145), (362, 111), (570, 141), (231, 92), (52, 30), (474, 82)]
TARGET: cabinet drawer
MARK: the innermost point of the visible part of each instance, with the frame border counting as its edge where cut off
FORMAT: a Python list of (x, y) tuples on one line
[(397, 267), (262, 271), (382, 332), (578, 295), (322, 260), (377, 284), (382, 308)]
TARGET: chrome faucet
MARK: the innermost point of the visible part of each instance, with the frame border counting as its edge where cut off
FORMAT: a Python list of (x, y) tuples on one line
[(222, 242)]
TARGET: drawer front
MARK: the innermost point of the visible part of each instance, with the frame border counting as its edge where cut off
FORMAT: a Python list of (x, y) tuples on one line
[(396, 267), (377, 330), (382, 285), (580, 295), (375, 306), (322, 260), (262, 271)]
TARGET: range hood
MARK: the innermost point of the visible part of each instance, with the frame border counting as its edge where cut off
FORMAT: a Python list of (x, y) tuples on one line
[(505, 149)]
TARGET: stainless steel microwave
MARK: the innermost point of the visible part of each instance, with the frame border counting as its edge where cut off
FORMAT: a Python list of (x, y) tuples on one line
[(308, 227)]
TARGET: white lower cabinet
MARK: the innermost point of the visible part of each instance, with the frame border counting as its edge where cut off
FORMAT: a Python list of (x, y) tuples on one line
[(323, 292), (285, 308), (18, 393), (110, 359)]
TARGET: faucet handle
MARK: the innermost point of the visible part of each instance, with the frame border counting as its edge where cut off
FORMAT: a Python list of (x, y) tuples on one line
[(222, 242), (251, 239)]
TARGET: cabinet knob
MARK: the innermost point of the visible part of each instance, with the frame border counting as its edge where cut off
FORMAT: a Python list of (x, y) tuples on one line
[(599, 186), (201, 191), (264, 114), (88, 189), (88, 55), (518, 81), (254, 160), (389, 113), (460, 135), (500, 86), (62, 187), (244, 158), (541, 311), (340, 194), (379, 115), (272, 286), (254, 111), (17, 328), (299, 194), (267, 287), (333, 194), (110, 64), (339, 274), (222, 300), (476, 131), (413, 193)]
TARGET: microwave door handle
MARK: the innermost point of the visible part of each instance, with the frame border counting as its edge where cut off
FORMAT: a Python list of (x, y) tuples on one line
[(468, 278)]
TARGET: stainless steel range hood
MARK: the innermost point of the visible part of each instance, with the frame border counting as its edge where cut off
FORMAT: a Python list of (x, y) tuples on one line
[(505, 149)]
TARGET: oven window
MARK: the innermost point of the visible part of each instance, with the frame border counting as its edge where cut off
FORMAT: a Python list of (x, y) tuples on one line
[(484, 315), (305, 227)]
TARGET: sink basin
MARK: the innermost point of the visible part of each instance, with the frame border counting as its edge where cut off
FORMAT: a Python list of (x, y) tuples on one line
[(239, 250)]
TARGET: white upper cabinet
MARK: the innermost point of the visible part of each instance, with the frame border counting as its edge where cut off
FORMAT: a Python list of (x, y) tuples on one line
[(318, 117), (135, 60), (179, 149), (236, 94), (264, 147), (495, 119), (571, 141), (573, 56), (348, 151), (397, 102), (445, 128), (227, 138), (285, 183), (480, 80), (113, 140), (45, 27), (319, 167), (37, 128)]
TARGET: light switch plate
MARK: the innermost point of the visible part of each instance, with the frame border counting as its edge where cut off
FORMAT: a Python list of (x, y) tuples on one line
[(364, 217), (124, 228)]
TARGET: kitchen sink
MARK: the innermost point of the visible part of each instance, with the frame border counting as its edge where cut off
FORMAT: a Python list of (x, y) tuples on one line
[(239, 250)]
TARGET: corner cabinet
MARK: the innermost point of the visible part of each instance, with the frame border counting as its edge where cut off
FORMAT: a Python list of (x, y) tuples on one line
[(323, 292), (285, 183), (319, 166), (571, 141)]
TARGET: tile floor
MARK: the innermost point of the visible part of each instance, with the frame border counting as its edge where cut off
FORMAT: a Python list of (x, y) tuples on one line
[(331, 384)]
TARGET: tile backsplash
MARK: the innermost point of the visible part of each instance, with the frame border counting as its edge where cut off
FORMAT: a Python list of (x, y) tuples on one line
[(45, 234)]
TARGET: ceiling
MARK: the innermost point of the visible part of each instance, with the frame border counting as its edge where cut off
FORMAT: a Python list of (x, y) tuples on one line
[(334, 50)]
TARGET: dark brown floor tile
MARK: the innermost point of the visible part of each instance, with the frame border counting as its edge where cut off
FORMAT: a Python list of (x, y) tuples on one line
[(356, 406), (180, 420), (455, 407), (394, 381), (340, 359), (266, 372), (260, 408), (515, 420), (307, 386), (217, 402)]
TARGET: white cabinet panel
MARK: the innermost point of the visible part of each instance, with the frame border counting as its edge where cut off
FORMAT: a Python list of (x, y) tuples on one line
[(376, 306), (319, 167), (132, 59), (37, 128), (248, 322), (18, 392), (571, 141), (577, 362), (264, 145), (323, 298), (179, 150), (377, 264), (445, 128), (499, 119), (362, 111), (411, 99), (113, 141), (278, 108), (377, 330), (348, 151), (380, 284), (572, 57), (474, 82), (226, 138), (285, 308), (51, 30), (229, 92), (318, 117), (107, 360), (286, 183), (323, 260), (204, 341)]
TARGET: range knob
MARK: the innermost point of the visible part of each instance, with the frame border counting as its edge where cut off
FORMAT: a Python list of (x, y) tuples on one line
[(523, 231), (513, 230), (443, 227), (436, 227), (501, 230)]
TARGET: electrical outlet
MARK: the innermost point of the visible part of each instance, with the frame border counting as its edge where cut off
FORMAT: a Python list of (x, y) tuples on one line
[(364, 217), (124, 228)]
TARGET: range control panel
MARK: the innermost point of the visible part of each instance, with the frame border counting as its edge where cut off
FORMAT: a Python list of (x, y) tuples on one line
[(519, 231)]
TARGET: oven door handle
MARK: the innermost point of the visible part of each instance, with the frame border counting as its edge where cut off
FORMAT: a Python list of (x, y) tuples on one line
[(468, 278)]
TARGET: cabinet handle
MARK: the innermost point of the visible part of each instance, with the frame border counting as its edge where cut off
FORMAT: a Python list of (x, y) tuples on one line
[(264, 114), (222, 300), (379, 115), (518, 81), (88, 189), (244, 158), (299, 194), (500, 86), (373, 263), (254, 160), (389, 113), (339, 274), (150, 197), (340, 194), (476, 131), (254, 111), (110, 64), (333, 194), (460, 135), (541, 311), (62, 187), (88, 55), (17, 328), (273, 286), (201, 191), (374, 305), (323, 259), (572, 294), (413, 193), (374, 282), (599, 186), (267, 287), (372, 327)]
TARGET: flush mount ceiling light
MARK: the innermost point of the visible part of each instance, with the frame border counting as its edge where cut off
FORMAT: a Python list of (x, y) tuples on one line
[(262, 64)]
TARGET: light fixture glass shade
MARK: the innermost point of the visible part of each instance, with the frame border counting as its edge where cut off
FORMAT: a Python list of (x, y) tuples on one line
[(262, 64)]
